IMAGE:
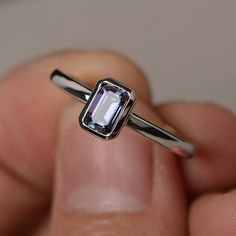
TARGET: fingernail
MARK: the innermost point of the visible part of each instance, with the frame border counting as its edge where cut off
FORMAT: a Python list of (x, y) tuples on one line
[(103, 176)]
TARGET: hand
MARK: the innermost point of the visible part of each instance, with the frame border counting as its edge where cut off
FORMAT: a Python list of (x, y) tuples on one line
[(128, 186)]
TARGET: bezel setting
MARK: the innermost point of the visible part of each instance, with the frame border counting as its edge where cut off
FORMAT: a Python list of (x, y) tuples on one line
[(107, 109)]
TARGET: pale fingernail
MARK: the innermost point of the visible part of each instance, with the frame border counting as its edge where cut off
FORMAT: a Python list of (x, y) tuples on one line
[(103, 176)]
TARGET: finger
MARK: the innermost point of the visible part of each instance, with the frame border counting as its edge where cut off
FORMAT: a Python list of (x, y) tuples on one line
[(30, 105), (19, 202), (30, 108), (213, 130), (214, 215), (108, 188)]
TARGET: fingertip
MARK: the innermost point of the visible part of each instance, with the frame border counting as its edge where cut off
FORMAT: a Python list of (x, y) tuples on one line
[(107, 163), (213, 214), (212, 129)]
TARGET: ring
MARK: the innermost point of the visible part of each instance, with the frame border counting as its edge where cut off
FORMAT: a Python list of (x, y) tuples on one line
[(108, 107)]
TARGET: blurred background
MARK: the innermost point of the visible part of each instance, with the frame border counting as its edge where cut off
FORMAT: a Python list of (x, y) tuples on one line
[(186, 48)]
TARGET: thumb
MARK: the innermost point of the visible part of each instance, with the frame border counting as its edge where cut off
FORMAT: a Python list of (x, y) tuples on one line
[(106, 188), (96, 177)]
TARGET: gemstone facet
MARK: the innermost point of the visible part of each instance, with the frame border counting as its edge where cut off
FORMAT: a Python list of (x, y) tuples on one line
[(106, 108)]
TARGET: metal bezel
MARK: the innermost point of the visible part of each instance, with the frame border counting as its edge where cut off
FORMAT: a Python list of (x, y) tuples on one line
[(121, 121)]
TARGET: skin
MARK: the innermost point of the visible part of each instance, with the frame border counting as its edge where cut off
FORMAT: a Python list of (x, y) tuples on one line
[(39, 135)]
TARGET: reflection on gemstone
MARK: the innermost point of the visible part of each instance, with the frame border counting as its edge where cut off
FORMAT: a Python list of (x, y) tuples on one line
[(106, 108)]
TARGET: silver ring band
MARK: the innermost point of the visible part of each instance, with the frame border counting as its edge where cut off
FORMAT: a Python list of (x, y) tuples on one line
[(82, 93)]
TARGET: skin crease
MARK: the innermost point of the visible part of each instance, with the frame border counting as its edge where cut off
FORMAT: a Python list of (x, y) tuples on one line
[(184, 194)]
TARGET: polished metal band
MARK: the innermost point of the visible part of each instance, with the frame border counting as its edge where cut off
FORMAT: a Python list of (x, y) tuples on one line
[(82, 93)]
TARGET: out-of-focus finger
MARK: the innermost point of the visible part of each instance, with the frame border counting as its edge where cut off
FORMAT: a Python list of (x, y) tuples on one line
[(214, 214), (213, 130)]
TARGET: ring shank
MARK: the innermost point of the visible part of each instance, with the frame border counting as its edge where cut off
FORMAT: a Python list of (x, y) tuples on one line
[(82, 93), (164, 138)]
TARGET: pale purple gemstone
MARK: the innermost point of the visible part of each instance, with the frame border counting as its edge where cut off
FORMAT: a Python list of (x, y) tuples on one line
[(105, 109)]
